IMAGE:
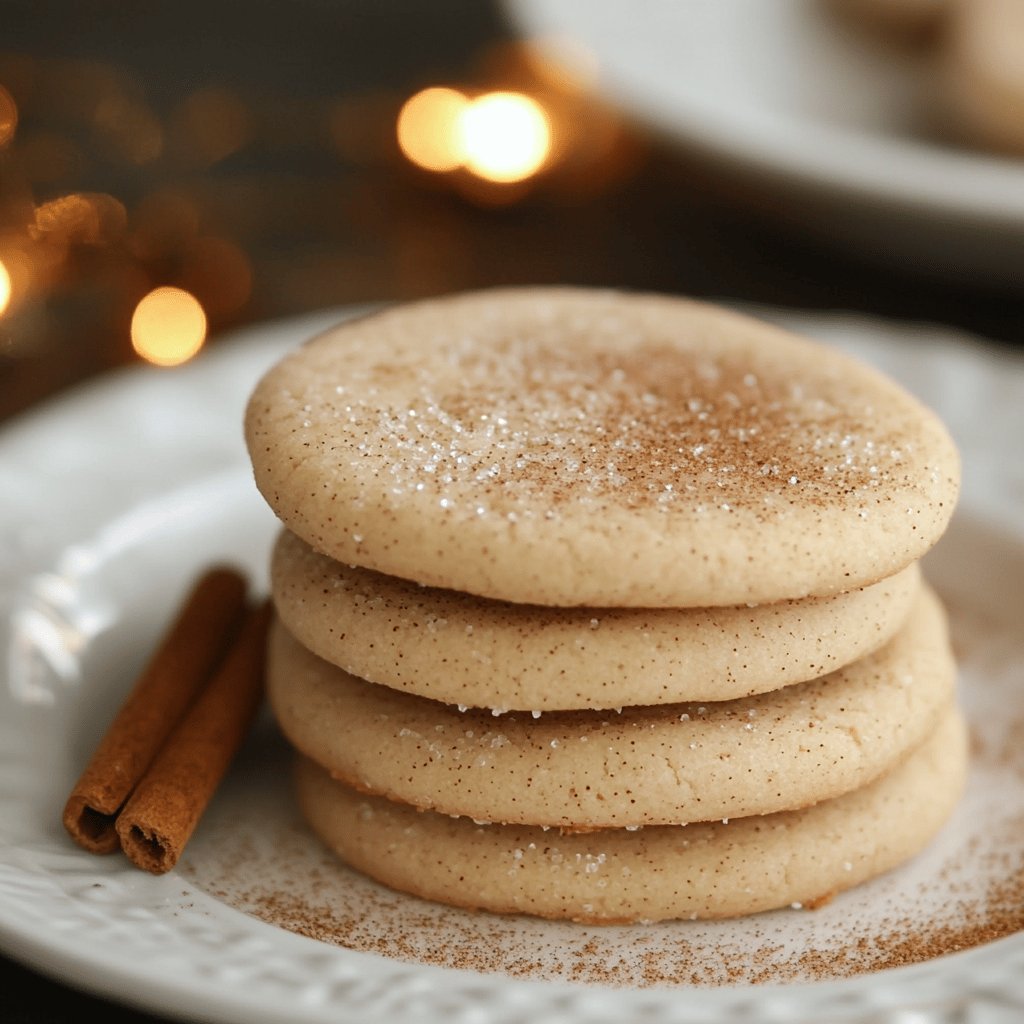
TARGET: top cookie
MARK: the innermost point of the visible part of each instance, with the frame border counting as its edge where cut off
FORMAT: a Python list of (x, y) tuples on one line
[(597, 448)]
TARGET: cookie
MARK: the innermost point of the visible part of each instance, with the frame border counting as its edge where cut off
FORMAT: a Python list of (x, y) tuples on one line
[(659, 872), (461, 649), (641, 766), (592, 448)]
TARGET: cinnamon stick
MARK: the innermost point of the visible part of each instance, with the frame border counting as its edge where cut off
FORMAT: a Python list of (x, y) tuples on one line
[(183, 661), (165, 808)]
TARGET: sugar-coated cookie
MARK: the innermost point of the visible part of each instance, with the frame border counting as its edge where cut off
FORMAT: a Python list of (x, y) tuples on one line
[(596, 448), (462, 649), (695, 871), (593, 769)]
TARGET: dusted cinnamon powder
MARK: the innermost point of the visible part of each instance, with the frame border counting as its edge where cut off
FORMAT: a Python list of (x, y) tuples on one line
[(964, 891), (456, 939)]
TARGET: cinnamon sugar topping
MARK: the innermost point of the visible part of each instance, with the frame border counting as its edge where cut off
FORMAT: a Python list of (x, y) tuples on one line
[(651, 426)]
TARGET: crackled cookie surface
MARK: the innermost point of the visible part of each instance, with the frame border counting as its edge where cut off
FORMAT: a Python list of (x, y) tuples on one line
[(643, 765), (462, 649), (597, 448), (654, 873)]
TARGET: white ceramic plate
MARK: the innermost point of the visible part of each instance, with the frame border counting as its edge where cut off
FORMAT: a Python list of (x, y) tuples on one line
[(116, 495), (837, 134)]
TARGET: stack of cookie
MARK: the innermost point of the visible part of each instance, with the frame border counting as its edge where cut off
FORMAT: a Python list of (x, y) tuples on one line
[(606, 606)]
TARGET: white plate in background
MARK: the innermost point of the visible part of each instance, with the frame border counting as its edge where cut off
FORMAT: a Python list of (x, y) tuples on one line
[(115, 496), (832, 131)]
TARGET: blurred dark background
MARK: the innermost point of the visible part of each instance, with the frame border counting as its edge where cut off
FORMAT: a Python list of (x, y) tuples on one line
[(192, 167), (246, 154)]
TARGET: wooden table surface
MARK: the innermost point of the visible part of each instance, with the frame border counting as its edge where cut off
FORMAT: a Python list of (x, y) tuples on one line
[(325, 216)]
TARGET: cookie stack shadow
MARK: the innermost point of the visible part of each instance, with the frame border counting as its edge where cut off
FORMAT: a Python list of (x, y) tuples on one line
[(518, 746)]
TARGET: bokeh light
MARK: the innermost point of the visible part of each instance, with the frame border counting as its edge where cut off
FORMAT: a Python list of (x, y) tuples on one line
[(168, 326), (516, 120), (500, 137), (24, 269), (210, 125), (429, 132), (506, 136), (5, 288), (88, 218), (8, 116)]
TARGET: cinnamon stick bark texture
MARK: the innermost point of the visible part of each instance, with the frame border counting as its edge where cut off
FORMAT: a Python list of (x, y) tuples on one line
[(187, 655), (165, 808)]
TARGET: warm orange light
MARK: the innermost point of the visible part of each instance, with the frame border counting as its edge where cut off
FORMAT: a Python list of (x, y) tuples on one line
[(5, 288), (429, 130), (85, 217), (23, 268), (168, 326), (502, 137), (8, 116), (506, 136)]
